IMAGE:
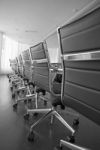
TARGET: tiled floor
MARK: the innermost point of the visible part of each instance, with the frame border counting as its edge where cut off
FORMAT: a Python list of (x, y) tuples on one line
[(14, 130)]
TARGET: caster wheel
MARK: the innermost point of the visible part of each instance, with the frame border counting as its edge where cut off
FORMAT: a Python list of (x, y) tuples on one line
[(25, 101), (35, 114), (26, 116), (45, 103), (13, 95), (76, 122), (15, 106), (31, 136), (62, 106), (71, 139), (58, 148)]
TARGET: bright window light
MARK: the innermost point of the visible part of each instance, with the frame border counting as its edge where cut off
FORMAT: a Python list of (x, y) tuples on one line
[(9, 51), (54, 55)]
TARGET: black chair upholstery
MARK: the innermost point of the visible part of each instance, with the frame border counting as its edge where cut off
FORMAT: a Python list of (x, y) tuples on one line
[(80, 46), (27, 64)]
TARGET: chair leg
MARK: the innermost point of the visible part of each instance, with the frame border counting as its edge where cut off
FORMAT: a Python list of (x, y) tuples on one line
[(36, 100), (63, 122), (31, 133), (36, 103), (70, 138), (76, 115), (39, 110), (26, 115), (35, 112), (71, 146), (49, 112)]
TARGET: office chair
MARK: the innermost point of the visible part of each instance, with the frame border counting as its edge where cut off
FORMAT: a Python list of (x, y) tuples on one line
[(14, 67), (80, 48), (42, 79), (19, 70), (20, 86), (27, 64), (34, 51), (20, 65), (14, 78), (25, 71)]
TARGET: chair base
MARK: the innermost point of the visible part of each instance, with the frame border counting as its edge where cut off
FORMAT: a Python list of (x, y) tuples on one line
[(15, 106), (31, 136), (50, 112)]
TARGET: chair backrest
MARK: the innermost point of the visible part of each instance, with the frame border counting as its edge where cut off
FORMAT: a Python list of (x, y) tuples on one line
[(55, 65), (14, 65), (80, 46), (20, 65), (27, 64), (40, 66)]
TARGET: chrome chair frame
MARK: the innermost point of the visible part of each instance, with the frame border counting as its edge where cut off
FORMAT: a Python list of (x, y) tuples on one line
[(49, 111), (71, 146), (81, 56)]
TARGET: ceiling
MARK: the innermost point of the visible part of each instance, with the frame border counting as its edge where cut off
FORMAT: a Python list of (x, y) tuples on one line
[(30, 21)]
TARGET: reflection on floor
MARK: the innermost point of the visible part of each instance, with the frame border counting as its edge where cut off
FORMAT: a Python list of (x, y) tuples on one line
[(14, 130)]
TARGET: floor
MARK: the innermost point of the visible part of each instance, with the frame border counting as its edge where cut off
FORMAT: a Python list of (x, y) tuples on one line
[(14, 129)]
